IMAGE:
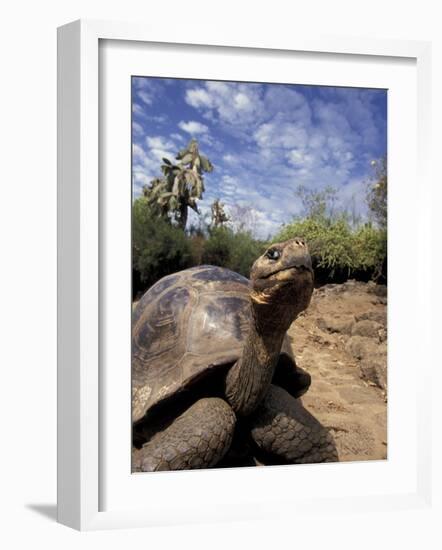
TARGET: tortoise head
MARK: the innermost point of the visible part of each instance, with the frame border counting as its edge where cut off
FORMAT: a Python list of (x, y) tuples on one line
[(283, 277)]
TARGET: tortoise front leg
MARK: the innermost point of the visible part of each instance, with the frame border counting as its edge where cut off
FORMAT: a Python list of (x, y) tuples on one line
[(282, 427), (289, 376), (198, 438)]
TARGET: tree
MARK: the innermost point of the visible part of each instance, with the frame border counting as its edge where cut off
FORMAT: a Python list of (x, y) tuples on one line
[(235, 250), (317, 204), (181, 185), (339, 244), (243, 219), (158, 247), (377, 192), (219, 216), (338, 249)]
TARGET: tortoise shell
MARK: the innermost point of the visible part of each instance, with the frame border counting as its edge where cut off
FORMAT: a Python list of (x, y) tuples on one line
[(184, 327)]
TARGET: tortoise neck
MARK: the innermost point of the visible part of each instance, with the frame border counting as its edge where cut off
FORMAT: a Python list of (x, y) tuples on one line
[(249, 379)]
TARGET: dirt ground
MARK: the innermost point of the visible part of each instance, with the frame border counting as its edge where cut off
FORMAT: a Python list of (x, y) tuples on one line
[(341, 342)]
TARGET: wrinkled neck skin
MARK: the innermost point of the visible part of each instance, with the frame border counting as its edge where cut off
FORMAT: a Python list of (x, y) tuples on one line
[(249, 379)]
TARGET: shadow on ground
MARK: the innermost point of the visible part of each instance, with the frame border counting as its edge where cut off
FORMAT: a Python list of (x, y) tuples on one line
[(48, 511)]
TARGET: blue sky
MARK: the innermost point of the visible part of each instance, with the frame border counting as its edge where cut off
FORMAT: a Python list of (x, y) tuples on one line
[(264, 140)]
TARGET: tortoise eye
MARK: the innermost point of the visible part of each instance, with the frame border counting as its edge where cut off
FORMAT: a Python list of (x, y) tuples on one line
[(273, 254)]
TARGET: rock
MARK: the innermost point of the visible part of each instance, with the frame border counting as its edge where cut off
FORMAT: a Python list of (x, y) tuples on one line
[(374, 370), (378, 290), (350, 284), (380, 316), (333, 325), (318, 339), (360, 347), (372, 358), (369, 329), (379, 301)]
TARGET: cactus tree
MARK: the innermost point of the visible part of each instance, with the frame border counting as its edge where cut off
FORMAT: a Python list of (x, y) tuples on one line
[(219, 216), (181, 185)]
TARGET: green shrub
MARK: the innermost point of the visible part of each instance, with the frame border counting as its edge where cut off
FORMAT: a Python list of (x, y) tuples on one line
[(336, 247), (377, 193), (370, 246), (158, 248), (236, 251), (245, 251)]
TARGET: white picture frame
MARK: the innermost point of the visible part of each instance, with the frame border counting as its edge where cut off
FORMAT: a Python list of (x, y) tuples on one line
[(80, 445)]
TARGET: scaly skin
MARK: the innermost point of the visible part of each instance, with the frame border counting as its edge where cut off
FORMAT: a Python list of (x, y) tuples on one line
[(283, 428), (281, 289), (198, 438)]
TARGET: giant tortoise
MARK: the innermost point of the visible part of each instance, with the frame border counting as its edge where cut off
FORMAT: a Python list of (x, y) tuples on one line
[(210, 356)]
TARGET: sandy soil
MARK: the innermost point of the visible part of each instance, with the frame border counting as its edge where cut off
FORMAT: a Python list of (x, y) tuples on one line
[(323, 338)]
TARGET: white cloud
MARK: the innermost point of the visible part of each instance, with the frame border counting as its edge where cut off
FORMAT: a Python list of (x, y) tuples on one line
[(158, 148), (221, 88), (145, 97), (281, 134), (158, 119), (352, 197), (288, 105), (147, 160), (199, 98), (314, 142), (159, 142), (147, 89), (140, 179), (230, 159), (232, 103), (137, 129), (177, 137), (299, 157), (143, 83), (138, 110), (193, 127), (258, 204), (242, 102), (229, 185), (137, 151)]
